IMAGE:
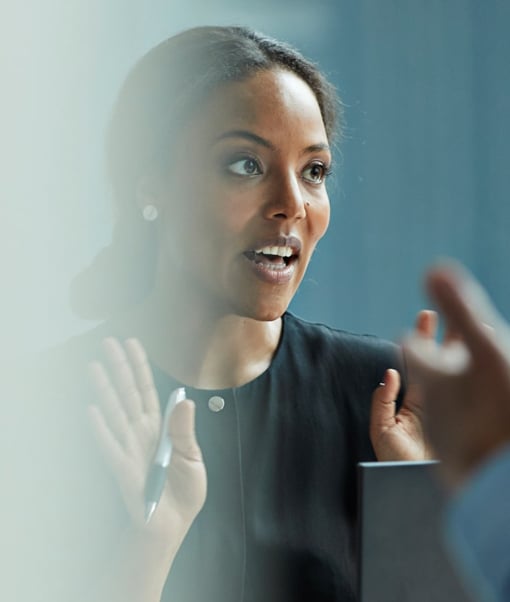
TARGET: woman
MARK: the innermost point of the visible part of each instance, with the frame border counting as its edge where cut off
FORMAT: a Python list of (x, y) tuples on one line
[(219, 149)]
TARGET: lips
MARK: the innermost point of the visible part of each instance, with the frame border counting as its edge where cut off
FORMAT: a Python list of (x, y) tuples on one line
[(273, 260)]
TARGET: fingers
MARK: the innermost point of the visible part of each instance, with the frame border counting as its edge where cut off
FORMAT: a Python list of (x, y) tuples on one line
[(143, 376), (124, 426), (122, 375), (426, 323), (382, 415), (126, 392), (128, 386), (112, 409), (106, 439), (426, 360), (129, 479), (464, 305), (450, 335)]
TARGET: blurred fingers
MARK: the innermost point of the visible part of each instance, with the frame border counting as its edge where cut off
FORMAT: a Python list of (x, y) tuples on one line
[(426, 323), (123, 377), (111, 407), (129, 479), (450, 335), (426, 360), (465, 306), (106, 439), (143, 376)]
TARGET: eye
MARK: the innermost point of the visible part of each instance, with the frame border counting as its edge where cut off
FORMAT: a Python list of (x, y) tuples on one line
[(246, 166), (315, 173)]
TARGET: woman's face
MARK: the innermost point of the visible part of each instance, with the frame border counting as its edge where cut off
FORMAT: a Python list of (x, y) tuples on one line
[(245, 200)]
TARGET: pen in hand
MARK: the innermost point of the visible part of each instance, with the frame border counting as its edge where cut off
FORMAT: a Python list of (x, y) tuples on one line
[(156, 477)]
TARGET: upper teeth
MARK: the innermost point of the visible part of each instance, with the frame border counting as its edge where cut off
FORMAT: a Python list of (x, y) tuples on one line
[(281, 251)]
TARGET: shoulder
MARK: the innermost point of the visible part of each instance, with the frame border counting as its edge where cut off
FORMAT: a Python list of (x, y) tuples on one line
[(339, 346), (62, 369), (78, 349), (340, 371), (343, 363)]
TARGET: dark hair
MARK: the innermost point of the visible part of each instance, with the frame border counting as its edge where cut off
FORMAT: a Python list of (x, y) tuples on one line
[(158, 97)]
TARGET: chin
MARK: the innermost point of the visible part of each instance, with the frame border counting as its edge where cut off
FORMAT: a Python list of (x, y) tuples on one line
[(269, 315), (263, 310)]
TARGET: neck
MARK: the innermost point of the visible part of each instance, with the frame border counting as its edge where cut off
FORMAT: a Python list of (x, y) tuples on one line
[(199, 344)]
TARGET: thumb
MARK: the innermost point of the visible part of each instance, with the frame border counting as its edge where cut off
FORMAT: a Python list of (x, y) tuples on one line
[(382, 415), (187, 479), (182, 432)]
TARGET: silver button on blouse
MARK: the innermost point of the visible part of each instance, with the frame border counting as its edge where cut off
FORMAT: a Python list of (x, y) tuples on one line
[(216, 403)]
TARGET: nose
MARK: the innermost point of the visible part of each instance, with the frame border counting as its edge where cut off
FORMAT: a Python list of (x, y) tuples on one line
[(285, 199)]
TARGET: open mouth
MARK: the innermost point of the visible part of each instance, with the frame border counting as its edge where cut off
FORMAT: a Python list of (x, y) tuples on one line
[(274, 257)]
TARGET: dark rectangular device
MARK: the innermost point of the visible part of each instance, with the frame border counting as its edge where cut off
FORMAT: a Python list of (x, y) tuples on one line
[(402, 557)]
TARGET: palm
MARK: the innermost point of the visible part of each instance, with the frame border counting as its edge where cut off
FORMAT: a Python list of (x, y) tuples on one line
[(400, 435), (403, 438), (127, 423)]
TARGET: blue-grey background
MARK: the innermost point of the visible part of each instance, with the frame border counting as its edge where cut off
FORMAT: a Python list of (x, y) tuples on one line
[(422, 171)]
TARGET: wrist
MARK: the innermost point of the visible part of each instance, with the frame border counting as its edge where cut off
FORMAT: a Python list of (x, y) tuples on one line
[(152, 543)]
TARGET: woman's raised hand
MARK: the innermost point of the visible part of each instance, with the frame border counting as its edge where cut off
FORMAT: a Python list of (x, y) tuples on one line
[(400, 435), (127, 422)]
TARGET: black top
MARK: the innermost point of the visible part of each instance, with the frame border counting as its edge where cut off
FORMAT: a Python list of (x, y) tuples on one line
[(279, 521)]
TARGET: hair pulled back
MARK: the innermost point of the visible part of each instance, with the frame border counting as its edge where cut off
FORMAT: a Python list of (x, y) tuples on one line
[(158, 98)]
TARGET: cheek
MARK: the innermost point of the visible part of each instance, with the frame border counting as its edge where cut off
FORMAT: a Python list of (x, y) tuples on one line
[(318, 215), (230, 213), (189, 209), (180, 231), (202, 229)]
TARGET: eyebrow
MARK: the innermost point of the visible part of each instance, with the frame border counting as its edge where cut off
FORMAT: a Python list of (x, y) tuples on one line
[(263, 142), (316, 148), (248, 135)]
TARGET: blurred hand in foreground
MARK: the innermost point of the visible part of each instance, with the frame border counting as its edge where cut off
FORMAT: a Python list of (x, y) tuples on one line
[(465, 382)]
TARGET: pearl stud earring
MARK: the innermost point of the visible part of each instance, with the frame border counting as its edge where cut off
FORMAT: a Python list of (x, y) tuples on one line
[(150, 213)]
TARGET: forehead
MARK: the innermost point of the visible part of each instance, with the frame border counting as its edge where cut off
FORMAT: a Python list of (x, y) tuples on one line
[(271, 103)]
